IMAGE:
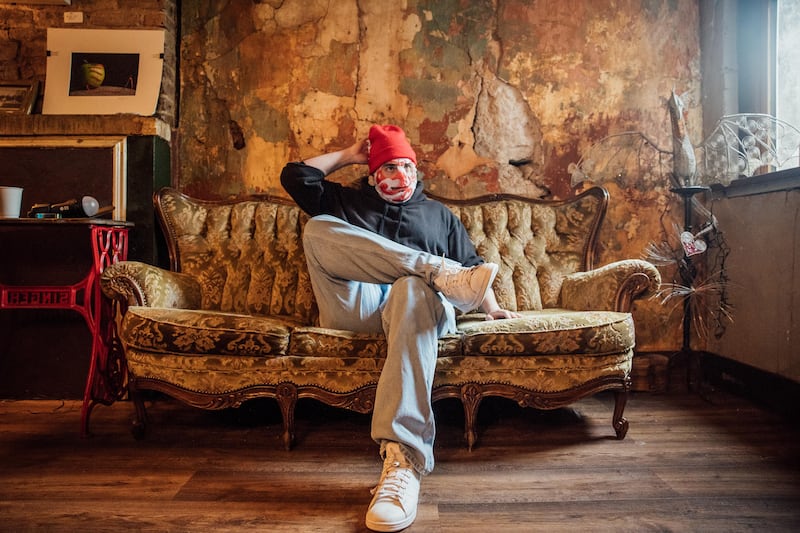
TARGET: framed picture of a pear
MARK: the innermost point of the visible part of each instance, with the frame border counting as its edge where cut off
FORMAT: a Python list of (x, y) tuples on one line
[(103, 72)]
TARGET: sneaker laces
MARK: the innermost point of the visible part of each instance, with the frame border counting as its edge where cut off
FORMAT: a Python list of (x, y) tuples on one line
[(395, 478), (447, 275)]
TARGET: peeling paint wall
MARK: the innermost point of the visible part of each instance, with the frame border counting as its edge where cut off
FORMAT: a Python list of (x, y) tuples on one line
[(475, 84)]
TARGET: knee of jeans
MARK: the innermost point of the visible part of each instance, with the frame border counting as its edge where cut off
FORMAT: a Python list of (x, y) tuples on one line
[(314, 227), (410, 283), (412, 300), (412, 288)]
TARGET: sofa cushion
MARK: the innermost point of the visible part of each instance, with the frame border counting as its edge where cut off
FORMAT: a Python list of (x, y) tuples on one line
[(324, 342), (548, 332), (194, 332), (543, 352)]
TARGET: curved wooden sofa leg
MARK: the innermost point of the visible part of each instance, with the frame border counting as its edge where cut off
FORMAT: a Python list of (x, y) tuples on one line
[(619, 422), (139, 426), (471, 396), (287, 400)]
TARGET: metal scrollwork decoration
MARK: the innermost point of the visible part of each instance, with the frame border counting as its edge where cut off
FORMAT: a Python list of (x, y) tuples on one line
[(739, 146)]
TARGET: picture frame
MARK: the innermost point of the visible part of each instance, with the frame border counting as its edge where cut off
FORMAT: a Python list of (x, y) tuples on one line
[(18, 97), (103, 72)]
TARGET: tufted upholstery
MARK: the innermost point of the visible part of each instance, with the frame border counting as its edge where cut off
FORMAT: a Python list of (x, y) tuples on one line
[(235, 316), (247, 256), (536, 245)]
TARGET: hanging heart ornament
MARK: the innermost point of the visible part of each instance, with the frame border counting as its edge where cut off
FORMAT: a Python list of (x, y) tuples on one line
[(692, 245)]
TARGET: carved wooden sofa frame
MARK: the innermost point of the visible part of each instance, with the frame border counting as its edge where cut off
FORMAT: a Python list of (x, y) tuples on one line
[(234, 318)]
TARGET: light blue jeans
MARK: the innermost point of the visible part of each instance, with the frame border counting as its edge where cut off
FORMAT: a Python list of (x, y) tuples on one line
[(367, 283)]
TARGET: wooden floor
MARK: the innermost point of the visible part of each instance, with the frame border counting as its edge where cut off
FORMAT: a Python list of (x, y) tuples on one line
[(687, 464)]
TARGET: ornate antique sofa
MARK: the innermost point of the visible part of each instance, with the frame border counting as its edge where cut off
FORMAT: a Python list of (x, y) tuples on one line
[(235, 318)]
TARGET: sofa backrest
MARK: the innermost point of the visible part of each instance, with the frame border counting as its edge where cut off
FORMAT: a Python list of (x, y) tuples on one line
[(247, 253), (536, 242)]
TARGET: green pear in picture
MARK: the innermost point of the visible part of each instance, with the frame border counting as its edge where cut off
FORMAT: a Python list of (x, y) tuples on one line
[(93, 74)]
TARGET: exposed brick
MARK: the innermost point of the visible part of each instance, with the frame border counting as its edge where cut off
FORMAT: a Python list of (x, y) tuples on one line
[(115, 19), (23, 36), (43, 19), (154, 20), (8, 50), (13, 17), (99, 5), (9, 71)]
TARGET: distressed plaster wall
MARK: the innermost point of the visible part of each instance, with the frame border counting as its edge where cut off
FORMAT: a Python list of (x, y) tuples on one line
[(475, 83)]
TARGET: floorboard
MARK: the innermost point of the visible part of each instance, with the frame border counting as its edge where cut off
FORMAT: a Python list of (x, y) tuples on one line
[(688, 463)]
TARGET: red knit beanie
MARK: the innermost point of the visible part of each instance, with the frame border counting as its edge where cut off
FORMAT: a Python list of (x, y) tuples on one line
[(387, 143)]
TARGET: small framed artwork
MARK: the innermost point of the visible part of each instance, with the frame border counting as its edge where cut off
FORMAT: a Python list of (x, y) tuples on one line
[(18, 97), (103, 72)]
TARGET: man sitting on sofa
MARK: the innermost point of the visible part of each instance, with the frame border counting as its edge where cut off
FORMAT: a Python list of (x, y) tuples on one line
[(384, 258)]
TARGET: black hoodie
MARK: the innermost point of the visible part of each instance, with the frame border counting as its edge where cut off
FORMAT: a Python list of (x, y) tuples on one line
[(419, 223)]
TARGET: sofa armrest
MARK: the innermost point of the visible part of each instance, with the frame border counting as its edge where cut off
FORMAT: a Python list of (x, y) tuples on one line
[(137, 283), (612, 287)]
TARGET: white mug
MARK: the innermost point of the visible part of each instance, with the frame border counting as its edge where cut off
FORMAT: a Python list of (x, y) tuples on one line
[(10, 201)]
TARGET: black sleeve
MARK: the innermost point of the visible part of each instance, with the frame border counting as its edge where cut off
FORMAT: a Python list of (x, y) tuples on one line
[(461, 246), (308, 187)]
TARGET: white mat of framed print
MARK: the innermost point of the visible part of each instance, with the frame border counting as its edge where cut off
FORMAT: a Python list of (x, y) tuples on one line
[(103, 72)]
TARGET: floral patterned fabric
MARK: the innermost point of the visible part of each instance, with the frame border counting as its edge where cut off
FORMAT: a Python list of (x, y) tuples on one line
[(238, 310), (535, 244), (544, 374), (323, 342), (220, 375), (609, 287), (215, 352), (195, 332), (247, 255), (138, 283), (549, 332)]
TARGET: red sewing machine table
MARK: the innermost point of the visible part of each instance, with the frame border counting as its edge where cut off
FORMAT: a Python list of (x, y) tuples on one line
[(105, 382)]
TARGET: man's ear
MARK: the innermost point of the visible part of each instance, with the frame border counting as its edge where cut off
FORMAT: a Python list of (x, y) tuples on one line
[(371, 179)]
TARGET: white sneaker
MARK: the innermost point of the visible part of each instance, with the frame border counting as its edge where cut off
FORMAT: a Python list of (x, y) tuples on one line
[(394, 506), (464, 287)]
